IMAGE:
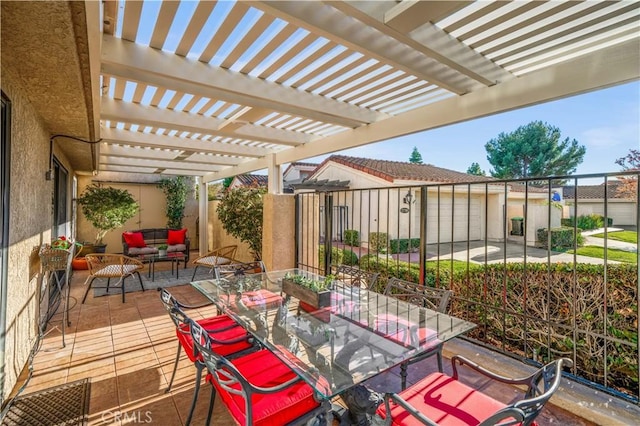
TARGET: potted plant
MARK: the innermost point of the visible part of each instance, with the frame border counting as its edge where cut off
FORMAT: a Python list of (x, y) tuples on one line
[(107, 208), (162, 249), (314, 292)]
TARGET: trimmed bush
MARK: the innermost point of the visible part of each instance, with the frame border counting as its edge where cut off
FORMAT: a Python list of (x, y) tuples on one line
[(352, 237), (561, 238), (336, 256), (404, 245), (588, 222), (349, 257), (378, 242)]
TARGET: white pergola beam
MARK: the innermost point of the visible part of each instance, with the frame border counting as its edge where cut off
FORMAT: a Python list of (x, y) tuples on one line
[(408, 15), (162, 69), (159, 164), (125, 137), (130, 112)]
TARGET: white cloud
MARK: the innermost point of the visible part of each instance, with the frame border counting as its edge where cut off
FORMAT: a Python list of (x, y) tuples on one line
[(604, 137)]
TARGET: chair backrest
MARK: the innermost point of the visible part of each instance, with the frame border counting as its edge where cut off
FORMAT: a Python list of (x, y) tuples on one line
[(231, 269), (356, 277), (226, 252), (173, 308), (544, 383), (111, 265), (428, 297)]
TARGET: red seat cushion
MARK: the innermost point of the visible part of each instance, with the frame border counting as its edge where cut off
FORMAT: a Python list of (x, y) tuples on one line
[(134, 239), (231, 330), (176, 236), (444, 400), (263, 368), (399, 329), (262, 299)]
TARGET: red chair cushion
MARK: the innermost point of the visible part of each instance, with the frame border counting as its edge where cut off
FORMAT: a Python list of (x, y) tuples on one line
[(264, 299), (176, 236), (399, 329), (263, 368), (210, 325), (134, 239), (444, 400)]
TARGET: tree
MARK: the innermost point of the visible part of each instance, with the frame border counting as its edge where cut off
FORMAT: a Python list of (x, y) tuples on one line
[(175, 190), (240, 212), (415, 158), (629, 184), (226, 182), (474, 169), (533, 150)]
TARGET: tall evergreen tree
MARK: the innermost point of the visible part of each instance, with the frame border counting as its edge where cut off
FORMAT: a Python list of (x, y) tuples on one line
[(474, 169), (415, 158), (533, 150)]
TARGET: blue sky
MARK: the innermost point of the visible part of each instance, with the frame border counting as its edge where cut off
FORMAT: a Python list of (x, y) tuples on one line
[(606, 121)]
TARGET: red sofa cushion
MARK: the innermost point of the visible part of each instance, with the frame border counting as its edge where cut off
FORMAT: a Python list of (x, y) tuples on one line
[(263, 368), (176, 236), (134, 239), (231, 330), (444, 400)]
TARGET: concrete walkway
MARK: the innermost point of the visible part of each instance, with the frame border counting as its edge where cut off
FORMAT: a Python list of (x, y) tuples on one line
[(589, 240)]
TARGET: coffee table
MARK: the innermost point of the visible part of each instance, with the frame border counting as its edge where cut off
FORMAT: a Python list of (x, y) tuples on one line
[(152, 259)]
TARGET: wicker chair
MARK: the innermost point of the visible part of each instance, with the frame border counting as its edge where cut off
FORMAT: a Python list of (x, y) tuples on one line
[(111, 266), (219, 256)]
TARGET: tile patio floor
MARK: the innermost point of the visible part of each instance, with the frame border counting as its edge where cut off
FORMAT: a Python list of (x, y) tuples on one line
[(127, 351)]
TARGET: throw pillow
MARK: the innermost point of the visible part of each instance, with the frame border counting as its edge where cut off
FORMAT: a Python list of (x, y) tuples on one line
[(134, 239), (176, 236)]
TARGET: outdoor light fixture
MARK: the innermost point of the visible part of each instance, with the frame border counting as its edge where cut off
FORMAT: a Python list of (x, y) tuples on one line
[(408, 199)]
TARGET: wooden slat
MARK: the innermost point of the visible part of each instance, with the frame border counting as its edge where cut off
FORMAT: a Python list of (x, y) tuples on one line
[(157, 97), (177, 97), (487, 26), (354, 95), (289, 54), (325, 66), (119, 89), (235, 15), (307, 61), (273, 44), (132, 12), (199, 18), (163, 24), (256, 31), (365, 72), (192, 103), (335, 74), (139, 92), (206, 106)]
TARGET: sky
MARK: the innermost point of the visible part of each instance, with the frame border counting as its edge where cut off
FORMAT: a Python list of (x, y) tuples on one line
[(606, 122)]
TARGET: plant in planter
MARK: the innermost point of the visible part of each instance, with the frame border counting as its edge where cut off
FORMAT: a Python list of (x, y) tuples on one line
[(176, 191), (107, 208), (162, 249), (314, 292)]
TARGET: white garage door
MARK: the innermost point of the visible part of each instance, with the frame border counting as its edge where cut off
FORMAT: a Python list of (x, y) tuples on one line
[(623, 213), (465, 217)]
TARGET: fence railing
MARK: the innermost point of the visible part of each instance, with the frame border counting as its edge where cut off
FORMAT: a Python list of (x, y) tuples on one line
[(545, 267)]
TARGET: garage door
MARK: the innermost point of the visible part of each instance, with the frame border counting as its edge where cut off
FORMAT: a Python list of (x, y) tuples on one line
[(464, 216), (623, 213)]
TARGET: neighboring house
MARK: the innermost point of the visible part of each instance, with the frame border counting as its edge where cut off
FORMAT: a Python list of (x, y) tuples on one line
[(249, 180), (396, 211), (591, 199), (297, 172)]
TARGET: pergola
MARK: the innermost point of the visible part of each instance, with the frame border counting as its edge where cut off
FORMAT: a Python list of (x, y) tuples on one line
[(216, 89)]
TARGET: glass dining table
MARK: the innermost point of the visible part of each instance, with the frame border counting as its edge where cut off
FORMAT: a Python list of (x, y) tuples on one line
[(334, 339)]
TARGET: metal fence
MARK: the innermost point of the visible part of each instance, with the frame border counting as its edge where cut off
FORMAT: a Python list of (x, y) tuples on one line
[(544, 267)]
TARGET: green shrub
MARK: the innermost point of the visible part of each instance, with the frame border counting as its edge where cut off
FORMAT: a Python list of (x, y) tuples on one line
[(352, 237), (568, 222), (403, 245), (349, 257), (587, 222), (561, 238), (336, 256), (378, 242)]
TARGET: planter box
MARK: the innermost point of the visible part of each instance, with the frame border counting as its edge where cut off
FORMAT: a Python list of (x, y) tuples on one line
[(316, 299)]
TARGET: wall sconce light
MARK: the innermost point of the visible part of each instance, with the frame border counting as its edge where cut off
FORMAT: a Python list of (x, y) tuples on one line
[(408, 199)]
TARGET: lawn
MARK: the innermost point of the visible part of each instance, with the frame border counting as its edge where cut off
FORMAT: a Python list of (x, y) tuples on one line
[(612, 254), (626, 236)]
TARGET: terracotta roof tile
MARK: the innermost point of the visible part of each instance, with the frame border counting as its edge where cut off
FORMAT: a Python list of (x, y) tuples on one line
[(393, 170), (252, 180), (592, 191)]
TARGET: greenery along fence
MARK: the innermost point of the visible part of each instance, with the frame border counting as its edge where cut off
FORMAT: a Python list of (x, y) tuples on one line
[(543, 312)]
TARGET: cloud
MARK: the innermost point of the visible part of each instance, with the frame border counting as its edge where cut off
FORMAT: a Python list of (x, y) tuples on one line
[(605, 137)]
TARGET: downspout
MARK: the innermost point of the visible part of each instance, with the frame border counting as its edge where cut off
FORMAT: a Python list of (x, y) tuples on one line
[(5, 139)]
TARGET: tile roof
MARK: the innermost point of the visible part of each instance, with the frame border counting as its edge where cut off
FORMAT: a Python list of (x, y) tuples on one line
[(300, 164), (393, 170), (586, 192), (252, 180)]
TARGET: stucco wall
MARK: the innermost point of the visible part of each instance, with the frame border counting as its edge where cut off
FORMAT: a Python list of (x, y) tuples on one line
[(219, 238), (30, 221)]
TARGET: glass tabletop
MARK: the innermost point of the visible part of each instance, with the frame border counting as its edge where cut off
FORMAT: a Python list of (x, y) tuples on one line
[(333, 337), (157, 256)]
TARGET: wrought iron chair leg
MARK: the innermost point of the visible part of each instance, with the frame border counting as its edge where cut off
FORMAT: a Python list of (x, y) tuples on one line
[(194, 271), (212, 400), (403, 374), (108, 282), (199, 368), (439, 358), (140, 279), (124, 279), (88, 288), (175, 367)]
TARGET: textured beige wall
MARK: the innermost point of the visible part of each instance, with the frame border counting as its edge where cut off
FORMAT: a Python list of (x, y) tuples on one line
[(219, 238), (278, 232), (30, 225), (151, 214)]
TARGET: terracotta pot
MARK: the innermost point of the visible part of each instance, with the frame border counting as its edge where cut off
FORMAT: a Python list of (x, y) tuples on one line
[(79, 264)]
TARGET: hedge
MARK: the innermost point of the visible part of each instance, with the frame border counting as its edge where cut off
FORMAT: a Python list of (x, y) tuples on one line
[(561, 238), (378, 242), (352, 237), (403, 245)]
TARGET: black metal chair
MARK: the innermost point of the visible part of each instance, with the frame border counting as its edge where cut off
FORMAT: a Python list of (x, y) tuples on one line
[(424, 296), (443, 400), (356, 277), (231, 269)]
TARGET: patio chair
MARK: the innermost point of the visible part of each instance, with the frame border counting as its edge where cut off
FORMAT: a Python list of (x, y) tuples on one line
[(219, 256), (428, 297), (444, 400), (239, 268), (356, 277), (111, 266), (227, 337), (257, 388)]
